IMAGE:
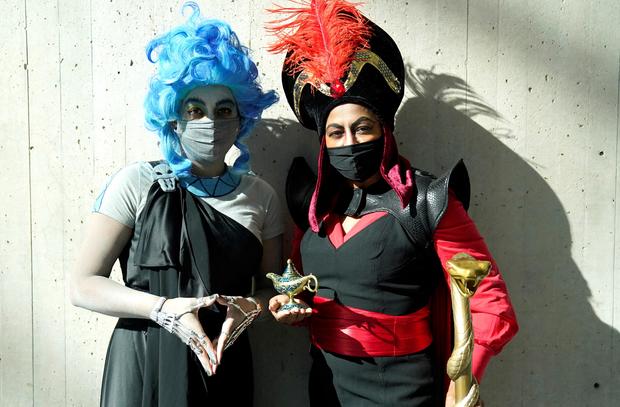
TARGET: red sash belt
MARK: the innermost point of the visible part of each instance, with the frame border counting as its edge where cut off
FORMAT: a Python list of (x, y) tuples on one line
[(360, 333)]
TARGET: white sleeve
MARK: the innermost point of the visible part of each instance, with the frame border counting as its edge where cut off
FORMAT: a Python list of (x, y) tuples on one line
[(121, 198), (273, 225)]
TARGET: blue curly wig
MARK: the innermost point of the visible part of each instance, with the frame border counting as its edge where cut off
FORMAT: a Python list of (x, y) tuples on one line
[(201, 52)]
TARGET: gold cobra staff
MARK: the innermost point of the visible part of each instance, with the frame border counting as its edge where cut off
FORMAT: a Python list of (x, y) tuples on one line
[(466, 273)]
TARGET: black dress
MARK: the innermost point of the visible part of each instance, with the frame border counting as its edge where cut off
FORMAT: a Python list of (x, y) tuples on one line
[(181, 247)]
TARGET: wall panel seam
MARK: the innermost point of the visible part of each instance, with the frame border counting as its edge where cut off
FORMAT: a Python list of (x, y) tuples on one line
[(60, 106), (92, 82), (467, 58), (615, 256), (29, 195)]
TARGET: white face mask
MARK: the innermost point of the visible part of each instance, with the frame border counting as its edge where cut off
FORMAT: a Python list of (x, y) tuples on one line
[(206, 141)]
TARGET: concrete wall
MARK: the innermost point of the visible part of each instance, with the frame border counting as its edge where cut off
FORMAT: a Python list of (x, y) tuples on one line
[(525, 91)]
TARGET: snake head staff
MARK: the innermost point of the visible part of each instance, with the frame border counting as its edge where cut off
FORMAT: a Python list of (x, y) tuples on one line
[(467, 272)]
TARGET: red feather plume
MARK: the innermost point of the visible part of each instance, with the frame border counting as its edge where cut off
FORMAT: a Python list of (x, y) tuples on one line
[(321, 35)]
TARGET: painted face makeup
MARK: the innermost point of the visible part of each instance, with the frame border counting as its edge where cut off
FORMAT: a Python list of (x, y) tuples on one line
[(354, 141), (210, 124)]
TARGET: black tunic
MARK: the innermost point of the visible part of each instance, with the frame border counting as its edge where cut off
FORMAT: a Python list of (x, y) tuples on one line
[(374, 270), (389, 267), (181, 247)]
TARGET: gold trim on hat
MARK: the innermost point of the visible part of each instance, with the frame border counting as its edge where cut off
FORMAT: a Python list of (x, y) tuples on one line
[(360, 59)]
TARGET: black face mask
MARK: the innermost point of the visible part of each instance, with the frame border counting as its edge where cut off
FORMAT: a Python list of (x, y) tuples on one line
[(357, 162)]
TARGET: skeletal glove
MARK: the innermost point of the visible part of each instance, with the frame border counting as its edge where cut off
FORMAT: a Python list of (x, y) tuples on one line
[(179, 316), (240, 314)]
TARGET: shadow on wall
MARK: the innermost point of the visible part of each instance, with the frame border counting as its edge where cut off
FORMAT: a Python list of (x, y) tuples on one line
[(563, 352), (281, 359)]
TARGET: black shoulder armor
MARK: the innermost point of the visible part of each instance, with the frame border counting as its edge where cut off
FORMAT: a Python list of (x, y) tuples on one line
[(420, 217), (456, 179)]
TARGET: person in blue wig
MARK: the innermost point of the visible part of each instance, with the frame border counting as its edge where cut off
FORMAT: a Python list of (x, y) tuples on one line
[(189, 231)]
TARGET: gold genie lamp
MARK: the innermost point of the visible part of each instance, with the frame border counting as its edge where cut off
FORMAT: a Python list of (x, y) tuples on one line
[(292, 283), (466, 273)]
